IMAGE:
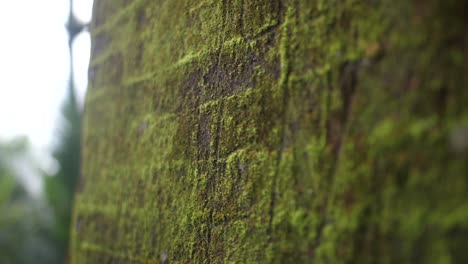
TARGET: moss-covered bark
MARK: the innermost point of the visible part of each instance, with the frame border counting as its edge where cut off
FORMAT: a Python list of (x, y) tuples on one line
[(292, 131)]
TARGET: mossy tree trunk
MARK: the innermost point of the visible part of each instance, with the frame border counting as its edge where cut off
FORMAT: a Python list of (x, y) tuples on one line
[(292, 131)]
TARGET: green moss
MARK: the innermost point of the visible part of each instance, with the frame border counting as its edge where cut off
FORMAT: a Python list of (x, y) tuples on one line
[(274, 131)]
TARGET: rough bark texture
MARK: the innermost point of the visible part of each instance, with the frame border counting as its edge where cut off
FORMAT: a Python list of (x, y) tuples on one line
[(290, 131)]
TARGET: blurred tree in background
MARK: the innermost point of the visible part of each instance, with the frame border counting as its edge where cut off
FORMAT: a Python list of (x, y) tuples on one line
[(59, 189), (36, 229)]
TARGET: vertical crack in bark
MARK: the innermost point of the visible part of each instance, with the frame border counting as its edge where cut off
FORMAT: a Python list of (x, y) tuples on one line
[(214, 172), (241, 18), (347, 83), (283, 86)]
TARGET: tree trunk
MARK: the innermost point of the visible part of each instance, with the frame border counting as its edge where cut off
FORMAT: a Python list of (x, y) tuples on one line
[(292, 131)]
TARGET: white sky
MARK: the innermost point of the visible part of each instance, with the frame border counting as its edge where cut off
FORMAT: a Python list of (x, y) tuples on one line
[(34, 68)]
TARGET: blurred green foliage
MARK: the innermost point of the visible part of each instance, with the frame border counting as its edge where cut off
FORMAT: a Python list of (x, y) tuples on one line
[(25, 221), (36, 229)]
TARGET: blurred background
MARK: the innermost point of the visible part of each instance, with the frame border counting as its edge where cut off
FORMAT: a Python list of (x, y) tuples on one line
[(44, 56)]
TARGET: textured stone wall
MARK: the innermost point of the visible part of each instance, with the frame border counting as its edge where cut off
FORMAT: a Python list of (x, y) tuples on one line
[(293, 131)]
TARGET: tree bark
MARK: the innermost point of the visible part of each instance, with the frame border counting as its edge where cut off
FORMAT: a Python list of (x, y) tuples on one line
[(292, 131)]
